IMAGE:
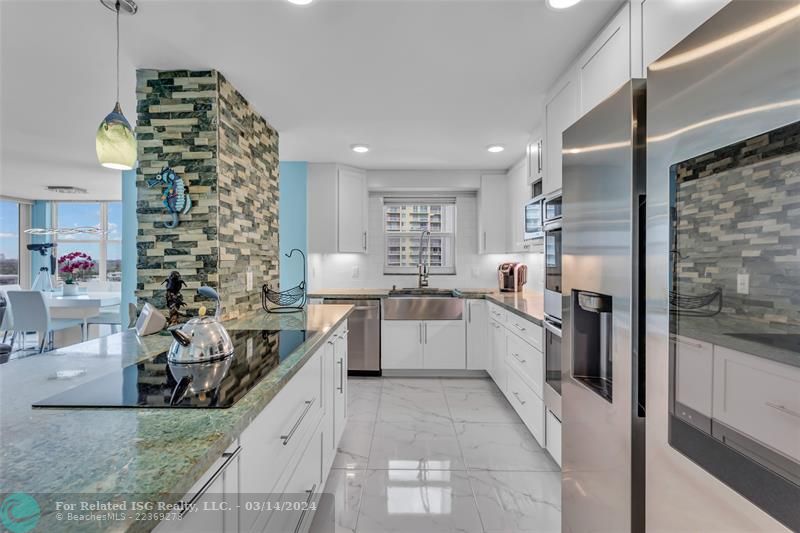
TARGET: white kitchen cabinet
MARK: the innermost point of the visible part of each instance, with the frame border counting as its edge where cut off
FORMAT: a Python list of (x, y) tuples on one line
[(329, 384), (518, 193), (337, 209), (478, 353), (553, 436), (665, 23), (758, 398), (694, 374), (427, 344), (492, 214), (219, 484), (498, 368), (527, 404), (560, 111), (401, 344), (444, 345), (526, 361), (340, 383), (606, 64), (534, 157)]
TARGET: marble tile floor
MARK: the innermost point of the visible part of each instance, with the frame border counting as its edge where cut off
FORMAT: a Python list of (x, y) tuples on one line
[(429, 455)]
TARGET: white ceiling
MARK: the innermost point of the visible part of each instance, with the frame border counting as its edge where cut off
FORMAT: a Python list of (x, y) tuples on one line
[(427, 84)]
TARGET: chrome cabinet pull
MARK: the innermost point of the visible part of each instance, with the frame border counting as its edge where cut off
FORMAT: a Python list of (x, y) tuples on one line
[(520, 400), (420, 332), (425, 327), (517, 357), (365, 241), (469, 312), (783, 409), (305, 508), (286, 438), (518, 327), (229, 458), (341, 375)]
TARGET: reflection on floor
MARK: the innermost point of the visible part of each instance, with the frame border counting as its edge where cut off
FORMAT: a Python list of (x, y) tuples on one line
[(428, 455)]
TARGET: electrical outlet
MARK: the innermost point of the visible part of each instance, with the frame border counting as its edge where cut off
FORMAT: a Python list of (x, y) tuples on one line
[(249, 280), (743, 283), (355, 272)]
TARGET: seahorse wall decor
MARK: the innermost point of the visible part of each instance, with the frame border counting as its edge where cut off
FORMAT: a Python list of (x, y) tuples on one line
[(175, 194)]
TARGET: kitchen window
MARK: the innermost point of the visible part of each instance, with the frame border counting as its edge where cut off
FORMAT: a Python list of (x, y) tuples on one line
[(9, 242), (404, 220), (105, 247)]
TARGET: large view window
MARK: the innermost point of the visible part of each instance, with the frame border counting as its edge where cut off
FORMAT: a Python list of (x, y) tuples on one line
[(404, 221), (9, 242), (105, 247)]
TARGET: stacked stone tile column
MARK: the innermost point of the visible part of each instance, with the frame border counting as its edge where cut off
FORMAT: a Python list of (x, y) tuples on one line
[(227, 154)]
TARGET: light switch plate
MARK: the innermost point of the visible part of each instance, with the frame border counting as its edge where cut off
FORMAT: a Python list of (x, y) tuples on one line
[(249, 347), (355, 272), (743, 283), (475, 272)]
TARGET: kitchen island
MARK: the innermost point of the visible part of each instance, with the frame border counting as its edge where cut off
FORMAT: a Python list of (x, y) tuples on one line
[(158, 453)]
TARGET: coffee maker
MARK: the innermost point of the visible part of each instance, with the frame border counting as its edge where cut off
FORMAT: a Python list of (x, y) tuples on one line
[(512, 276)]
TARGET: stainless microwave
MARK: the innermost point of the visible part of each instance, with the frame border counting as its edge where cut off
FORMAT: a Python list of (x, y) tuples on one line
[(534, 219)]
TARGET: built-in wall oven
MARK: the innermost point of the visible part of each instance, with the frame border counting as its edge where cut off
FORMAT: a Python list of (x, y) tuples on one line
[(552, 256), (552, 358)]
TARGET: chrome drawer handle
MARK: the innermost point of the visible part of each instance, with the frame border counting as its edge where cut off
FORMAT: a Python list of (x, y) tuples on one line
[(229, 458), (286, 438), (783, 409), (676, 340), (520, 400), (341, 375), (516, 356), (519, 327), (305, 508)]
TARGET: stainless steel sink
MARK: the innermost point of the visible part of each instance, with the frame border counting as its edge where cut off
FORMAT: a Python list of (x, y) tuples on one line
[(423, 291), (435, 307)]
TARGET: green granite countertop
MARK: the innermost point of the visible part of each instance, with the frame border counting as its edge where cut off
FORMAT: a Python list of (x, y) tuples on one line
[(527, 304), (158, 452), (718, 331)]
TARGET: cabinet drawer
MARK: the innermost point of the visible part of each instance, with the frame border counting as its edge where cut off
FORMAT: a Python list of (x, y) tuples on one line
[(277, 433), (758, 398), (528, 405), (497, 313), (526, 361), (693, 374), (526, 329)]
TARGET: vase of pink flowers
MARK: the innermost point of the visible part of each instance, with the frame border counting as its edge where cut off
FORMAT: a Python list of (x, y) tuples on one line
[(73, 267)]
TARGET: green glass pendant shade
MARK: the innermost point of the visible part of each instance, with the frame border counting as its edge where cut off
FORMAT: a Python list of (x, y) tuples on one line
[(115, 141)]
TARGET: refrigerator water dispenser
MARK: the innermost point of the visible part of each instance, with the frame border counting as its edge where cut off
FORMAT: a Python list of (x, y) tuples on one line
[(591, 341)]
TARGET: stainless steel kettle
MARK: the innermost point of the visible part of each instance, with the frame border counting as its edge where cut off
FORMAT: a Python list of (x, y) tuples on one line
[(201, 339)]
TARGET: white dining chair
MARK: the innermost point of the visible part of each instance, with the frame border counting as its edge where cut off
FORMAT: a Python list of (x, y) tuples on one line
[(31, 314), (7, 323), (108, 316)]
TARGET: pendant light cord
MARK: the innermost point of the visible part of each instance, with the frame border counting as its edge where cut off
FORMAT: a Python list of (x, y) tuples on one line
[(117, 6)]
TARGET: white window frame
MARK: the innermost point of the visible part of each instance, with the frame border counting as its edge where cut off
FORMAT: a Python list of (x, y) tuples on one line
[(392, 270), (103, 241)]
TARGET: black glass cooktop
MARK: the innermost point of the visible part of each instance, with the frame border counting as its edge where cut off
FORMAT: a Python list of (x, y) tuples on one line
[(155, 382)]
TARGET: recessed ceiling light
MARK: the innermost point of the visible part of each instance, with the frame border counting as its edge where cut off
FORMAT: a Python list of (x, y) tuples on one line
[(300, 2), (360, 148), (561, 4), (495, 148)]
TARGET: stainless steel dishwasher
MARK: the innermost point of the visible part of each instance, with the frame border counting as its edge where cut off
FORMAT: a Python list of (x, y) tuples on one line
[(364, 339)]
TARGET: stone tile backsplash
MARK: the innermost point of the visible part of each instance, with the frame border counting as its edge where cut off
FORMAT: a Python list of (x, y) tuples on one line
[(227, 154), (738, 212)]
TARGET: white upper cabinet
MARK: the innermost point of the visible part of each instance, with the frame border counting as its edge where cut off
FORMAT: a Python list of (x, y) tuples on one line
[(560, 112), (519, 192), (665, 23), (534, 154), (352, 202), (337, 209), (606, 64), (492, 214)]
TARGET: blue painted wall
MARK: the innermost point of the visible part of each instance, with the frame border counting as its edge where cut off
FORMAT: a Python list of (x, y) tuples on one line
[(292, 219), (128, 242)]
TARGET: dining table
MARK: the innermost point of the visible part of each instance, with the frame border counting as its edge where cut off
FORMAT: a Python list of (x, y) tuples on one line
[(83, 305)]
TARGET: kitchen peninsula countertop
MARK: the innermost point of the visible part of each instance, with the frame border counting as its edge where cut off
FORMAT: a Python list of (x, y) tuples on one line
[(718, 330), (160, 453), (527, 304)]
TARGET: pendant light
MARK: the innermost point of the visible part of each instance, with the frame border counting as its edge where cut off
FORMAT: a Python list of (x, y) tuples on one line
[(115, 142)]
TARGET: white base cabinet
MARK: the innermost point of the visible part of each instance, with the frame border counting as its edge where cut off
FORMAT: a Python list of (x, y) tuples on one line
[(478, 351), (285, 453), (553, 436), (425, 344)]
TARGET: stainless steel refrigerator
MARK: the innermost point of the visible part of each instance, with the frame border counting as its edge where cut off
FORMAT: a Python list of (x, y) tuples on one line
[(681, 359), (602, 421)]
